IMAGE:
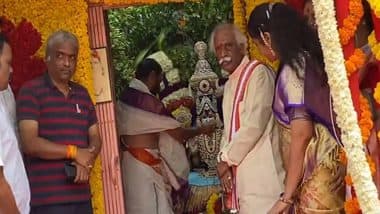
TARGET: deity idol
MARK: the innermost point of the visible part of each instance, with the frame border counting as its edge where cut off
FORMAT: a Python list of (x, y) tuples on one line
[(204, 149)]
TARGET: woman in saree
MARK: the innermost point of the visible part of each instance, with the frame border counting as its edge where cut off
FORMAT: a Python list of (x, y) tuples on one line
[(302, 106)]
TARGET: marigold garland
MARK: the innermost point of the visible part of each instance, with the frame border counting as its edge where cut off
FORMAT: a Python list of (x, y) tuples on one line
[(352, 206), (372, 165), (239, 15), (350, 23), (133, 2), (47, 17), (210, 207), (347, 32), (343, 106), (348, 180), (355, 61), (365, 123)]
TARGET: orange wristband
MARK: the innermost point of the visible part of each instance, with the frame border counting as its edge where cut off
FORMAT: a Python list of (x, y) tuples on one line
[(71, 151)]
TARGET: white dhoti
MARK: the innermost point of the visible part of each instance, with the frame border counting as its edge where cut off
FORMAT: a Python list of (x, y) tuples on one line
[(147, 188), (258, 185)]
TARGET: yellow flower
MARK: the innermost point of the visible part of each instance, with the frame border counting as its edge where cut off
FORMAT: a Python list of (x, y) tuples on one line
[(375, 6), (376, 94), (375, 45), (210, 207)]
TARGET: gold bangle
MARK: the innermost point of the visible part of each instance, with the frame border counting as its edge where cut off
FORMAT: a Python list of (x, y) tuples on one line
[(286, 201)]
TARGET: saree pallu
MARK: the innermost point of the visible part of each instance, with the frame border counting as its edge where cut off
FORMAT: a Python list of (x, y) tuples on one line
[(321, 161)]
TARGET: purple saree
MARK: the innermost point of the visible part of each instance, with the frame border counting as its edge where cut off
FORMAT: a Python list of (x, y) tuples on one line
[(303, 96)]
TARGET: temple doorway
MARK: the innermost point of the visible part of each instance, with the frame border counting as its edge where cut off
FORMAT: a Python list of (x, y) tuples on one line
[(120, 37)]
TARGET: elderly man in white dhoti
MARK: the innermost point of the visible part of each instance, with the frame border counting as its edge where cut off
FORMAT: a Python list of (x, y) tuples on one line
[(250, 165), (154, 159)]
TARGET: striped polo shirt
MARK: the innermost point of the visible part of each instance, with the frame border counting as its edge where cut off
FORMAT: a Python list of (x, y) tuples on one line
[(60, 120)]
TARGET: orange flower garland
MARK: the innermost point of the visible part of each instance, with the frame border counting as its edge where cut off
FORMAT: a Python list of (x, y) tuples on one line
[(365, 123), (350, 23), (351, 206), (347, 32), (343, 157), (355, 61), (348, 180)]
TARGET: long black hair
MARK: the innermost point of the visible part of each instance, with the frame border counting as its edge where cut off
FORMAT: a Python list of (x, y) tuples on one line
[(292, 37), (3, 40)]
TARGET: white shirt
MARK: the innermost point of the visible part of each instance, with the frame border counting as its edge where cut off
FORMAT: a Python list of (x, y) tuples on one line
[(10, 156)]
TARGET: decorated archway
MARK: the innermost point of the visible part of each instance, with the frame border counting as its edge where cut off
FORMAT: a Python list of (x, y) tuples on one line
[(32, 21)]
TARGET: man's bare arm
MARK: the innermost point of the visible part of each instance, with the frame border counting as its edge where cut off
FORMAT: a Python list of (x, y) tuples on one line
[(95, 141), (183, 134), (7, 200), (36, 146)]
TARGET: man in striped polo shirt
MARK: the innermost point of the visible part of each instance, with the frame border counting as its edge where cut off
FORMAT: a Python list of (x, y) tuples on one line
[(58, 125)]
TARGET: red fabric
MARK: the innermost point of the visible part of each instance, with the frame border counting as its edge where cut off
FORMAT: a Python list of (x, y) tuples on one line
[(372, 76), (376, 25), (296, 4), (341, 10)]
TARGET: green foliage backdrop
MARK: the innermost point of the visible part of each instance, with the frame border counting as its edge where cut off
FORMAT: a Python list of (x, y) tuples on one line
[(134, 30)]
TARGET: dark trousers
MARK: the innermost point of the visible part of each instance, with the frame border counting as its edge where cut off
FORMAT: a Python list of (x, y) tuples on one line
[(73, 208)]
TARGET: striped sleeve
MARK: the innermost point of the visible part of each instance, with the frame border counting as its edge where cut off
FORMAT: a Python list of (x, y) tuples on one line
[(92, 118), (28, 107)]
